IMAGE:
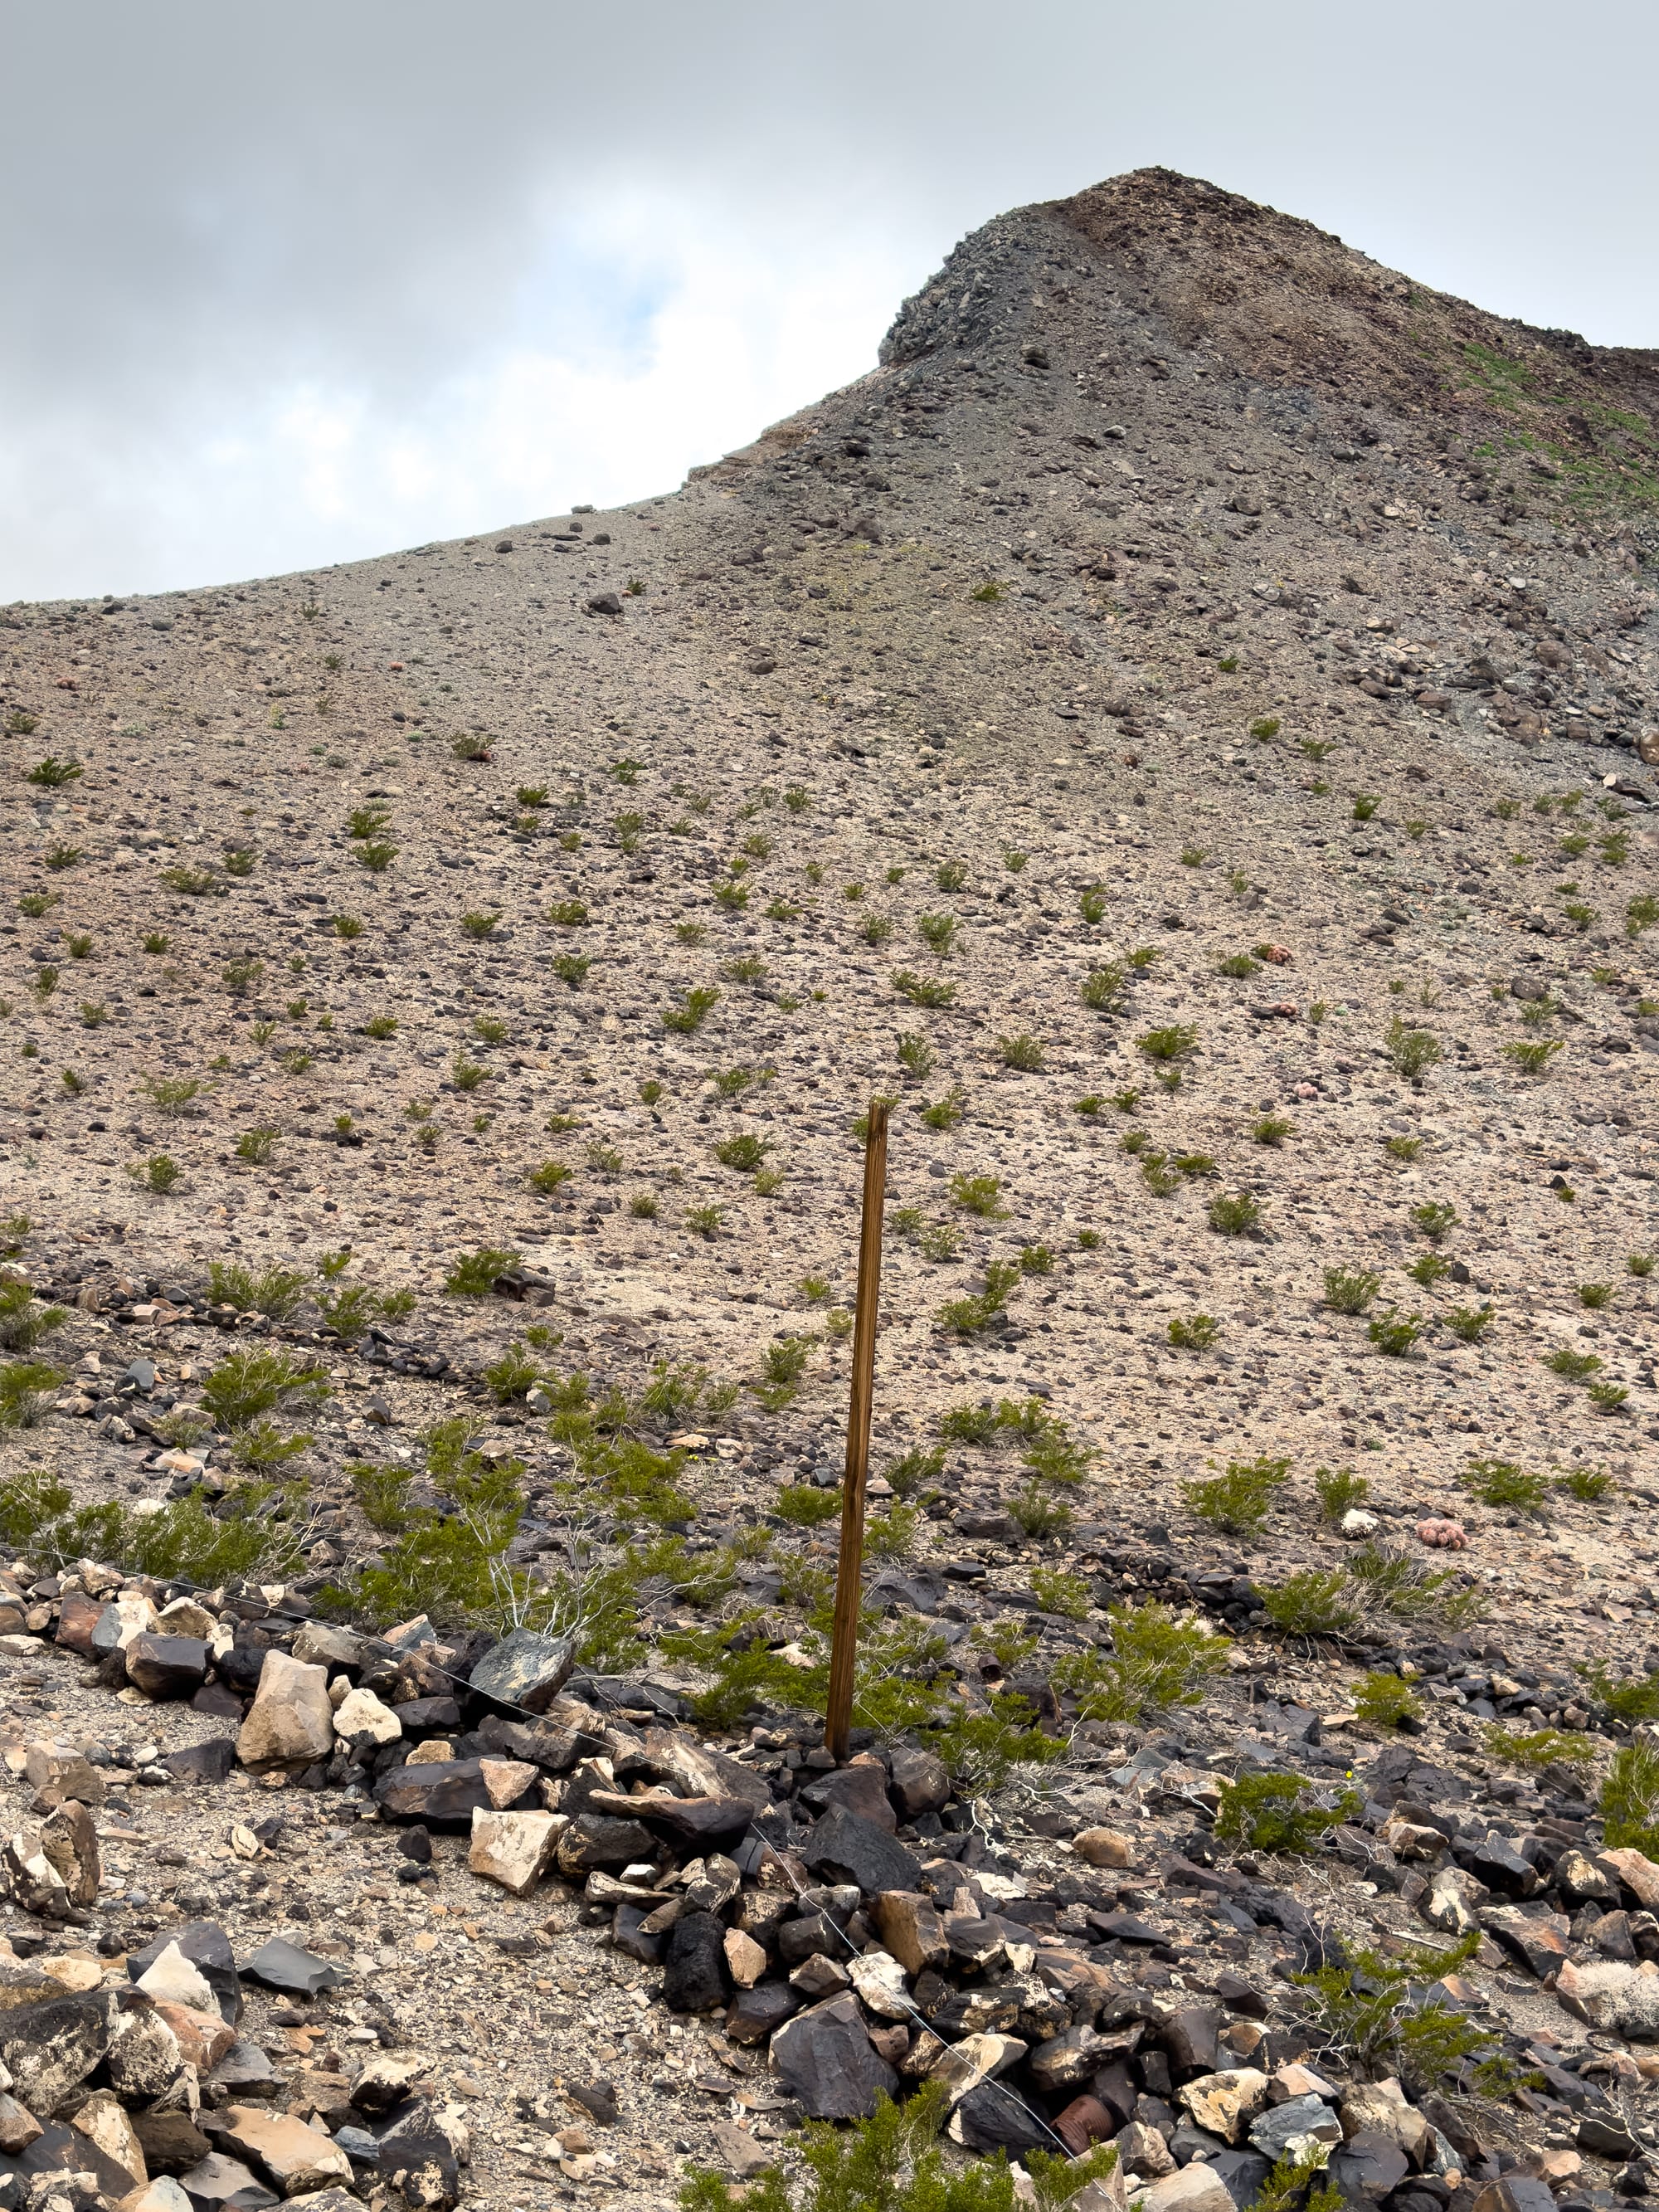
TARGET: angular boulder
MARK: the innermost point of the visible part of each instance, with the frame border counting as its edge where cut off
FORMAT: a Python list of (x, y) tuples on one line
[(205, 1946), (445, 1793), (293, 2156), (290, 1724), (827, 2062), (694, 1964), (281, 1965), (526, 1671), (843, 1847), (513, 1849), (167, 1666)]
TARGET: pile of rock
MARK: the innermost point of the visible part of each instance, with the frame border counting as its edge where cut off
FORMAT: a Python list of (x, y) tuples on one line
[(133, 2086), (852, 1921)]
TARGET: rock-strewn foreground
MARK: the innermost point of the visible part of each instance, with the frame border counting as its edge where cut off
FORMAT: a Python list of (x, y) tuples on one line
[(433, 981)]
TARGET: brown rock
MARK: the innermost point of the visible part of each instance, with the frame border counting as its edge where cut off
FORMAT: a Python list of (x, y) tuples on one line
[(69, 1842), (103, 2120), (911, 1928), (745, 1962), (295, 2156), (1225, 2104), (290, 1723), (1103, 1847)]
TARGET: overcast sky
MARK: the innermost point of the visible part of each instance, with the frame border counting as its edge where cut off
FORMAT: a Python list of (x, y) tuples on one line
[(285, 285)]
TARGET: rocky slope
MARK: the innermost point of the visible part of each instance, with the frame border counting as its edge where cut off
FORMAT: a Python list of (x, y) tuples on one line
[(1181, 728)]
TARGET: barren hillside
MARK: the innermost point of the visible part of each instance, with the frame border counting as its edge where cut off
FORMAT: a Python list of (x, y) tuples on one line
[(1182, 727)]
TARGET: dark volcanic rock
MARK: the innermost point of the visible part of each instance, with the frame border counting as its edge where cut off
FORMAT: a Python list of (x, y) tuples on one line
[(694, 1964), (842, 1847), (524, 1671), (167, 1666), (282, 1966), (446, 1792), (211, 1761), (753, 2014), (826, 2060)]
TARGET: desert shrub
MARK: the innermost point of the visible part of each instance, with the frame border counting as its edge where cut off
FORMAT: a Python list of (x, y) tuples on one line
[(1234, 1214), (1586, 1483), (806, 1506), (969, 1425), (1239, 1501), (1195, 1331), (1338, 1490), (1280, 1812), (1385, 1700), (890, 2163), (980, 1308), (1351, 1289), (1534, 1057), (381, 1491), (1316, 1602), (1103, 988), (1468, 1324), (473, 1275), (1433, 1218), (914, 1470), (276, 1292), (979, 1195), (250, 1381), (1393, 1333), (1395, 1585), (1630, 1799), (1504, 1483), (1573, 1366), (160, 1173), (1157, 1662), (1375, 2012), (24, 1320), (1168, 1045), (695, 1007), (1061, 1592), (1412, 1051), (26, 1386), (1632, 1701), (1537, 1748)]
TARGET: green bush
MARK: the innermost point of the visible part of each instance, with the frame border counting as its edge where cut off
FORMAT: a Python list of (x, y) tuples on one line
[(1351, 1289), (1157, 1662), (1632, 1701), (1340, 1490), (1504, 1483), (1195, 1332), (381, 1492), (1384, 1700), (1234, 1214), (249, 1381), (1433, 1218), (979, 1195), (1170, 1045), (1468, 1324), (1239, 1501), (276, 1292), (473, 1275), (1316, 1602), (695, 1007), (1402, 1587), (1586, 1483), (889, 2163), (24, 1321), (1538, 1748), (1061, 1592), (1412, 1051), (1630, 1799), (1573, 1366), (1393, 1333), (806, 1506), (914, 1470), (25, 1387), (1373, 2011), (1280, 1812)]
